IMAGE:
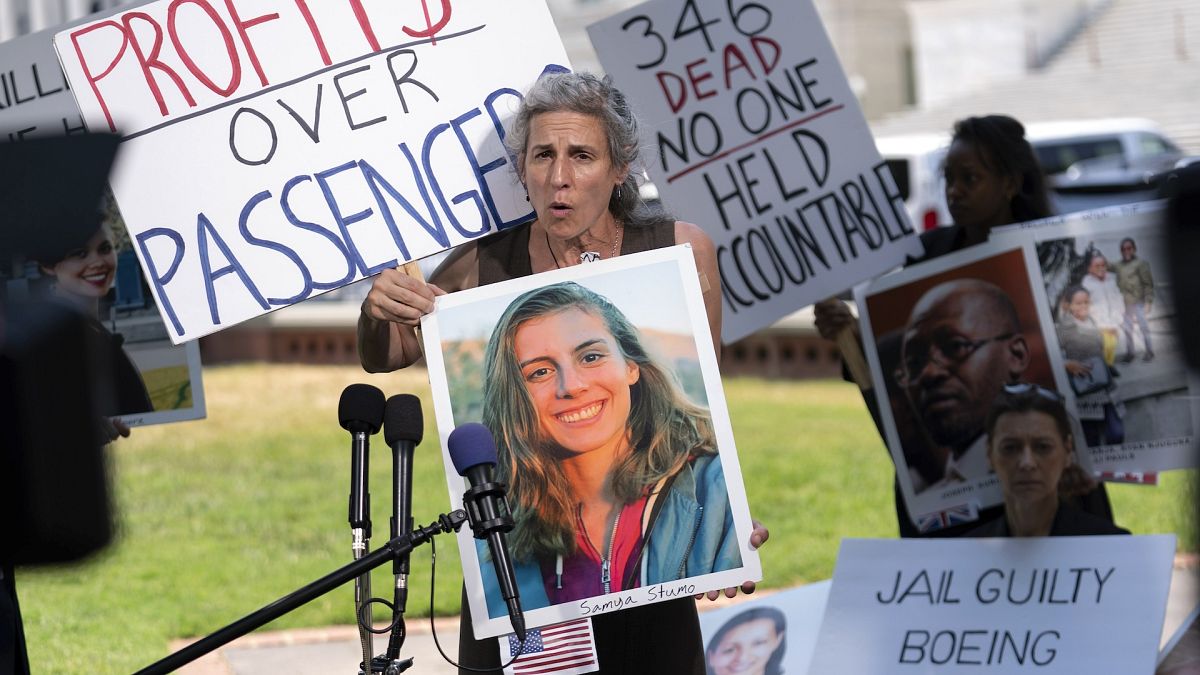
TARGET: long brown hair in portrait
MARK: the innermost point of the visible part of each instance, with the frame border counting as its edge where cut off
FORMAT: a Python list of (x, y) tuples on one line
[(665, 428)]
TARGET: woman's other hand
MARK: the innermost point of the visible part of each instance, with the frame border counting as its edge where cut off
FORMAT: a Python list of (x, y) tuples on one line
[(758, 537), (831, 317), (112, 428), (399, 298)]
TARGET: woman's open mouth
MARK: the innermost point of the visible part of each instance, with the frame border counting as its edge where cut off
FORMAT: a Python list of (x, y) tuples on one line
[(580, 414)]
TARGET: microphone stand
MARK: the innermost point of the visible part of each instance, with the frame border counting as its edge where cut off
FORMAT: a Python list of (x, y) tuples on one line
[(390, 551)]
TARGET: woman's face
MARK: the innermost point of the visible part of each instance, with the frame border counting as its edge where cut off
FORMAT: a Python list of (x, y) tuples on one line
[(745, 650), (577, 378), (1080, 305), (977, 196), (568, 172), (1029, 455), (87, 272)]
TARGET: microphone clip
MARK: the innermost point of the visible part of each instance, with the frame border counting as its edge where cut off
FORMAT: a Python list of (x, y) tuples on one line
[(475, 501)]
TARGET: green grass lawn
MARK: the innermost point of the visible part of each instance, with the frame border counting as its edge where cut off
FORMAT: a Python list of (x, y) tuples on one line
[(221, 516)]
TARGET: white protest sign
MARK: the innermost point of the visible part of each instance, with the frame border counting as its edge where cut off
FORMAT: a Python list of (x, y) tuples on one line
[(275, 152), (34, 97), (1054, 605), (761, 142)]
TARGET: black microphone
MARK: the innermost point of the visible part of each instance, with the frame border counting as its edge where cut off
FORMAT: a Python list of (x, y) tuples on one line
[(360, 411), (403, 427), (473, 452)]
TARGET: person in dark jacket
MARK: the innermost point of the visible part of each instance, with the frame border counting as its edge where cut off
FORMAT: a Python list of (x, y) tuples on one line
[(1032, 451)]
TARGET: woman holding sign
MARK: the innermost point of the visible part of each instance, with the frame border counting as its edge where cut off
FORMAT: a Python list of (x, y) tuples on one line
[(576, 145), (992, 178), (1032, 451)]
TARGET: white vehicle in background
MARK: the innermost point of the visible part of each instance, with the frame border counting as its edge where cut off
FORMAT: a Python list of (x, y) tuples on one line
[(1088, 164), (1072, 148), (916, 164)]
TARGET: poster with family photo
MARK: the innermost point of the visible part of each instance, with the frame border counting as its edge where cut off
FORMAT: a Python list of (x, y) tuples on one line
[(942, 339), (600, 385), (142, 377), (773, 635), (1103, 274)]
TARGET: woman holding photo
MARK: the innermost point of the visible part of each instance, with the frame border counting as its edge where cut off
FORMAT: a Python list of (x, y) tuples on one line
[(575, 142), (613, 474)]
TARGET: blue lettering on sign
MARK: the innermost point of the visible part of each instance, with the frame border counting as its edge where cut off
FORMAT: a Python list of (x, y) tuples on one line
[(428, 208), (204, 230)]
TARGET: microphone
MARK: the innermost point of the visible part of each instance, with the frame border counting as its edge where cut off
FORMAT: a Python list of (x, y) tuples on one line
[(473, 452), (403, 427), (360, 411)]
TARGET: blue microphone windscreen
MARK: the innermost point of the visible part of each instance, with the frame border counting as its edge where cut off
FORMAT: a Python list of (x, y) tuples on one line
[(471, 445), (402, 419), (361, 408)]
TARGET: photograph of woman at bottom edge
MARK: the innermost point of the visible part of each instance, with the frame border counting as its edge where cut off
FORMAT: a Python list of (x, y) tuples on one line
[(614, 479)]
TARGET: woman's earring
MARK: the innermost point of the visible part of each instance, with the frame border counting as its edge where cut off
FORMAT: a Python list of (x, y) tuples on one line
[(618, 193)]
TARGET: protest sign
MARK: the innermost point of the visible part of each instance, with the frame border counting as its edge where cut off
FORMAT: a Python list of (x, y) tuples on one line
[(1051, 605), (1103, 274), (761, 142), (275, 153), (772, 634), (34, 96), (560, 377), (975, 313)]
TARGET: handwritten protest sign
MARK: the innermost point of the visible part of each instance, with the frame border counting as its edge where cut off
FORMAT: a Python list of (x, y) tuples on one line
[(34, 96), (1054, 605), (1103, 274), (761, 142), (275, 152)]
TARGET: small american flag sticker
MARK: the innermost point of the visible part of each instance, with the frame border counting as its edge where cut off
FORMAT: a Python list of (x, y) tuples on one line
[(563, 649)]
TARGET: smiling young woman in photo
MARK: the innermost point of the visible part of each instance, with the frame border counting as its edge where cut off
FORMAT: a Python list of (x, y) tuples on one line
[(606, 459), (753, 642), (81, 277)]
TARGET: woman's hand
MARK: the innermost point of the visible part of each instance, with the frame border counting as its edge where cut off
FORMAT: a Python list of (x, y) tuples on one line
[(399, 298), (1074, 481), (111, 428), (1077, 367), (832, 316), (758, 537)]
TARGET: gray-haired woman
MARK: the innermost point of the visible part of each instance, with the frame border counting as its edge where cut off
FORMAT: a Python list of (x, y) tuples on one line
[(576, 144)]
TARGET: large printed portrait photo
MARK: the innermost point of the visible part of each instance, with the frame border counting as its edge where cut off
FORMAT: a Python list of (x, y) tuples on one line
[(143, 378), (944, 338), (599, 385)]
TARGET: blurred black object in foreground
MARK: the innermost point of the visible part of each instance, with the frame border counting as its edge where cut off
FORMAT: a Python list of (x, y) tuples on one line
[(54, 503), (1181, 187)]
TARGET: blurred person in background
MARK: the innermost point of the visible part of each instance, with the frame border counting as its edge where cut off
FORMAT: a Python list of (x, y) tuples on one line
[(1032, 451), (992, 178)]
